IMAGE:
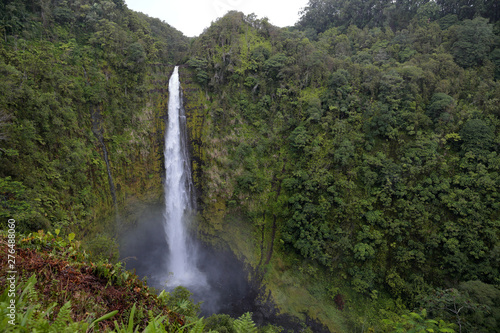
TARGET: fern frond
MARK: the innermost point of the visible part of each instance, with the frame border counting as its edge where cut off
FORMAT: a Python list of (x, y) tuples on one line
[(155, 325), (245, 324), (198, 327), (29, 292), (63, 318)]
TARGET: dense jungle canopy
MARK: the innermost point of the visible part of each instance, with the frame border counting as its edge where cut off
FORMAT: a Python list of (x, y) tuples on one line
[(360, 145)]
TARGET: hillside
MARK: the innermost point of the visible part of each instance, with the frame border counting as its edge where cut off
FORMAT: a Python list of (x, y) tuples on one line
[(59, 288), (365, 157), (81, 124), (351, 161)]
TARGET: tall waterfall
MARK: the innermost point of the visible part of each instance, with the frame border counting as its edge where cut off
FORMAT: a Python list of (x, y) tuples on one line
[(178, 192)]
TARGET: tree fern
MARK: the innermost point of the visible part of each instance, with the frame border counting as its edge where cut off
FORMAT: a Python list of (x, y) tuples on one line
[(245, 324)]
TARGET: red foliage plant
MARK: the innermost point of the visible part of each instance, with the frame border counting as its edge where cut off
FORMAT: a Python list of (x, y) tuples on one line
[(339, 301)]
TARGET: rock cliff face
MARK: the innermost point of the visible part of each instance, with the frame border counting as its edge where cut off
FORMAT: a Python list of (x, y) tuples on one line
[(137, 163), (140, 173), (82, 120), (196, 110), (197, 104)]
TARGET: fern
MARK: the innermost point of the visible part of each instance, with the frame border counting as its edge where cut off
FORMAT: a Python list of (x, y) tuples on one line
[(198, 326), (35, 318), (155, 325), (29, 293), (245, 324), (63, 318), (24, 314)]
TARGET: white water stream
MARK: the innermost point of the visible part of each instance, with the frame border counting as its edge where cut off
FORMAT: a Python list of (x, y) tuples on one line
[(178, 194)]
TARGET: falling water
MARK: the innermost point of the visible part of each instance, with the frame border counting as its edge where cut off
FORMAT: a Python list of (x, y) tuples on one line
[(221, 280), (178, 193)]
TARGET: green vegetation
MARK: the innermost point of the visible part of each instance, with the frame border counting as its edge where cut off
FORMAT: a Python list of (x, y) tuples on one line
[(61, 290), (352, 160), (361, 150), (81, 127)]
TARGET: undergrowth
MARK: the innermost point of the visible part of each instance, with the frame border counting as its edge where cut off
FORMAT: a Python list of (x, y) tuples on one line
[(58, 289)]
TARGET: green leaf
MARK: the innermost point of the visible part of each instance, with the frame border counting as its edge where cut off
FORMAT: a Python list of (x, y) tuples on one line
[(245, 324), (130, 327), (105, 317)]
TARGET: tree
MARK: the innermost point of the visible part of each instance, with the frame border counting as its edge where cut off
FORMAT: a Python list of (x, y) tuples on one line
[(319, 15), (451, 304), (4, 121), (473, 42), (136, 56), (439, 104), (477, 136), (489, 297), (468, 9), (273, 65), (12, 198), (417, 323)]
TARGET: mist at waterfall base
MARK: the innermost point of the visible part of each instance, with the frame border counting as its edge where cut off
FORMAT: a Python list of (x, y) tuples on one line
[(223, 286), (226, 289), (165, 251)]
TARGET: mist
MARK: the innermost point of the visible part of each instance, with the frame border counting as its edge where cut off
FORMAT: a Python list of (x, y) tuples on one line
[(223, 285)]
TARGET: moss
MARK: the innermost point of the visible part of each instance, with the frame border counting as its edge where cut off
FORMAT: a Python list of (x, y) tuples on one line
[(196, 112), (224, 222), (137, 165)]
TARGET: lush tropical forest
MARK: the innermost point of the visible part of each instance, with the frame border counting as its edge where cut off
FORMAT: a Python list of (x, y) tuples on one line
[(351, 161)]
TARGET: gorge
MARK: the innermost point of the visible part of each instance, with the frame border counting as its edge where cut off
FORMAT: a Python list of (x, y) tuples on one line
[(350, 163)]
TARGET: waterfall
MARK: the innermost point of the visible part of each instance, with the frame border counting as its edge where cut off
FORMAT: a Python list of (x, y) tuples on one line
[(179, 201)]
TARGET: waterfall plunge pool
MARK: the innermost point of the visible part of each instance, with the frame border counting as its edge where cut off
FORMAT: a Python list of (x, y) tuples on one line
[(144, 249), (223, 285)]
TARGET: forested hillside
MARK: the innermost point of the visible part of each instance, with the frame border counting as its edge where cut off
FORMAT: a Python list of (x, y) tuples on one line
[(352, 161), (367, 147), (83, 92)]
